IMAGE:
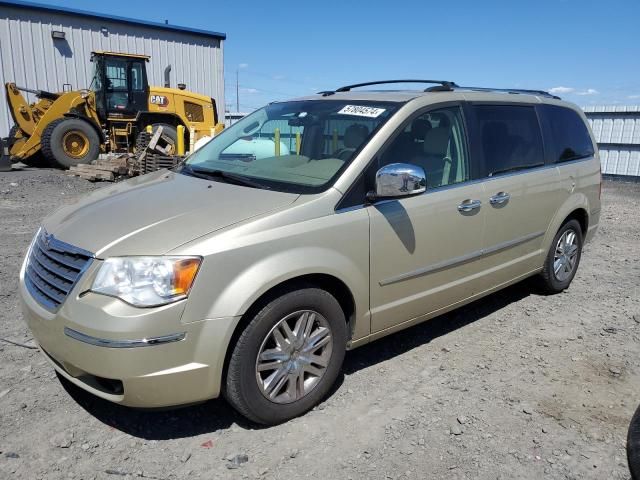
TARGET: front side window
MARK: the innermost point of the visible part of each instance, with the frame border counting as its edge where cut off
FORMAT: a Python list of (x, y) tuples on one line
[(436, 142), (510, 138), (571, 138), (292, 146), (116, 74)]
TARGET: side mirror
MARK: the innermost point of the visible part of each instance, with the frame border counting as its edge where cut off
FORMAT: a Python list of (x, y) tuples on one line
[(398, 180)]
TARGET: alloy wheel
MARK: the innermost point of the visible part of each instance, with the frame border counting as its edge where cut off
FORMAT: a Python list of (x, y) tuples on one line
[(294, 356), (566, 255)]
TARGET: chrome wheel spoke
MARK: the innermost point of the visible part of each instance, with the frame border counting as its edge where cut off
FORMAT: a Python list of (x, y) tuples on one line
[(274, 382), (319, 339), (280, 340), (314, 370), (557, 266), (319, 360), (290, 336)]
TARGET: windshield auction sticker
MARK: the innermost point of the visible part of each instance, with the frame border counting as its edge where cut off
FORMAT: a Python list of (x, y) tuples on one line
[(361, 111)]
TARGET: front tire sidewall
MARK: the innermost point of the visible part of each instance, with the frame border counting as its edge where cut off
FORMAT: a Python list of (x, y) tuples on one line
[(553, 283), (242, 389)]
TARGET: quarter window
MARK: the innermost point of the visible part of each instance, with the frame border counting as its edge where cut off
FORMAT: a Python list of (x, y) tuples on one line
[(571, 139), (510, 137), (436, 142)]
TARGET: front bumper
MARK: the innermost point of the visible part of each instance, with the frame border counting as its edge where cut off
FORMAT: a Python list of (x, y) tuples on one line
[(86, 342)]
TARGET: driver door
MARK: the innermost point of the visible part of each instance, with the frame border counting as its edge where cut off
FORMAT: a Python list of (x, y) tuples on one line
[(425, 249)]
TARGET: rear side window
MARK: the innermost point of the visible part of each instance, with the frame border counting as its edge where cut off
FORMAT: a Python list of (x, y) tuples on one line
[(571, 140), (510, 138)]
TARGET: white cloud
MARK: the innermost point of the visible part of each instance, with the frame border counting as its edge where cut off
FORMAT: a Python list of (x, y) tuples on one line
[(243, 65), (250, 90), (588, 91), (633, 97), (555, 90), (279, 77), (565, 90)]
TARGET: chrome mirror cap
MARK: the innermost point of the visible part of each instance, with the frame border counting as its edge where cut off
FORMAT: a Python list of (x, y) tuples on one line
[(399, 180)]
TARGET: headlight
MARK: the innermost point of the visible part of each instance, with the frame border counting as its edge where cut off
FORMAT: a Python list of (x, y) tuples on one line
[(147, 281)]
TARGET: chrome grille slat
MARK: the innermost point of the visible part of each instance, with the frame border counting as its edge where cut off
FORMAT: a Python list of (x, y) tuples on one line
[(63, 286), (37, 255), (52, 270), (39, 296), (62, 260), (46, 289)]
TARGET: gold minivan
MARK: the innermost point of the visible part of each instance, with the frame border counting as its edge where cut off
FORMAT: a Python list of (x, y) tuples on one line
[(307, 228)]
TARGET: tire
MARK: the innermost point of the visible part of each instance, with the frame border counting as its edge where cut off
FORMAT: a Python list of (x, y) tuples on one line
[(554, 282), (169, 136), (246, 389), (633, 446), (70, 141)]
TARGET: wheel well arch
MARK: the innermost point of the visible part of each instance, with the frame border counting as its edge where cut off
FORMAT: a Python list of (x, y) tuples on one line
[(329, 283), (581, 215), (149, 118)]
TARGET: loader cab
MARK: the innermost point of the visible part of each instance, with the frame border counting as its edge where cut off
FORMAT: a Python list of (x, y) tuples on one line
[(120, 84)]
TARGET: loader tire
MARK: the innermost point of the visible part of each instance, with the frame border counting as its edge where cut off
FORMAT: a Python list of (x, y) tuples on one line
[(70, 141)]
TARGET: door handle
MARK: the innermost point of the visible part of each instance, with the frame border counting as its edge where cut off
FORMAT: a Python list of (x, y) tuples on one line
[(499, 198), (469, 205)]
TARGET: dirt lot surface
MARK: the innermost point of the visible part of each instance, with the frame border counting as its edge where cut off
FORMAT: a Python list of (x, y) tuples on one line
[(517, 385)]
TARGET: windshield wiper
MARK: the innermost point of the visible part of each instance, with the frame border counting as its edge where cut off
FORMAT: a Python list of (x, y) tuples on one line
[(514, 169), (228, 176)]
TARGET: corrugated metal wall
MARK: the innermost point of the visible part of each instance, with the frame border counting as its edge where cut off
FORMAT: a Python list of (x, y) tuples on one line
[(617, 131), (31, 58)]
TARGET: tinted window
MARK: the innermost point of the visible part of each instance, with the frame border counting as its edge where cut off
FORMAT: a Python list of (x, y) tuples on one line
[(436, 142), (510, 137), (570, 136)]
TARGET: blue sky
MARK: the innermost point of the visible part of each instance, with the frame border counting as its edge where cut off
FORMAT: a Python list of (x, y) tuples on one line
[(586, 51)]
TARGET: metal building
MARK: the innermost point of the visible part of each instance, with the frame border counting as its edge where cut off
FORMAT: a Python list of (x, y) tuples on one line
[(617, 131), (48, 48)]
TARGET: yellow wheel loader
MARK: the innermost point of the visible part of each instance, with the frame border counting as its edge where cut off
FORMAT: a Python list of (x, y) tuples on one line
[(76, 126)]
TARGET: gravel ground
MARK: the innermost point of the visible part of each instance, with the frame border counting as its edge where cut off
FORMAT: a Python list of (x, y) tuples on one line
[(517, 385)]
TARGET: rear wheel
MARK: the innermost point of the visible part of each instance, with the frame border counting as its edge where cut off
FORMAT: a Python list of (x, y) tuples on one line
[(168, 137), (70, 141), (288, 357), (563, 258)]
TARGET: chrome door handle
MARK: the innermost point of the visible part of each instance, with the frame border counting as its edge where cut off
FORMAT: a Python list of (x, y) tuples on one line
[(499, 198), (469, 205)]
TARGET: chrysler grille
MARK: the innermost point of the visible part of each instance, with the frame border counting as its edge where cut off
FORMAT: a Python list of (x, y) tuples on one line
[(52, 269)]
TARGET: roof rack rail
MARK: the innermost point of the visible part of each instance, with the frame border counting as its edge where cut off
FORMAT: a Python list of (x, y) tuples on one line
[(541, 93), (444, 84)]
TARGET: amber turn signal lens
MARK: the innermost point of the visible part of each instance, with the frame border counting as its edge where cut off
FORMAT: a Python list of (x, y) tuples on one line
[(184, 271)]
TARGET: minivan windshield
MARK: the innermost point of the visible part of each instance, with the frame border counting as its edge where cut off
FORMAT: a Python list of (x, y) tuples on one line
[(299, 146)]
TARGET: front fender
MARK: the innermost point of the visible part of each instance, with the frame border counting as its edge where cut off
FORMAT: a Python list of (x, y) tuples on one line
[(244, 267)]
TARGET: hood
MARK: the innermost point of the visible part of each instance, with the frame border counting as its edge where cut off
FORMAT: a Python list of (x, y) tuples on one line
[(155, 213)]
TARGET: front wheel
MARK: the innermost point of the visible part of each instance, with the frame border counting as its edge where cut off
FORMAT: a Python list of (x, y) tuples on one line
[(563, 258), (288, 356), (70, 141)]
